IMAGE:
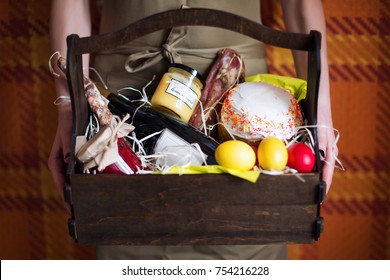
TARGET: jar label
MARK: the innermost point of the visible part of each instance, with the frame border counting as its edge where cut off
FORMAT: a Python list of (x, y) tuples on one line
[(182, 92)]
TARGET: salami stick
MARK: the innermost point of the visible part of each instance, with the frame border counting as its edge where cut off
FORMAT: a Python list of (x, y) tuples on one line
[(96, 101), (227, 70)]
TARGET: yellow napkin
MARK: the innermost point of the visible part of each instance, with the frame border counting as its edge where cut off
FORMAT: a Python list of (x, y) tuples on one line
[(297, 87), (251, 175)]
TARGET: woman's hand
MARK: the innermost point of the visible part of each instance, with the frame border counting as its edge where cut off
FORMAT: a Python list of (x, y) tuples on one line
[(60, 151), (302, 16), (326, 136), (66, 17)]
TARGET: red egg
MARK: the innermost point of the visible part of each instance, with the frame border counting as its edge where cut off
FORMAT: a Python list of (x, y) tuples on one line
[(300, 157)]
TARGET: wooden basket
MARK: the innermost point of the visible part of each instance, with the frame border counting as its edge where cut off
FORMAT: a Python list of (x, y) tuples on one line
[(192, 209)]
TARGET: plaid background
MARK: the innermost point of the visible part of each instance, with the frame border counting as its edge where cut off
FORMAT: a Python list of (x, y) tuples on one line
[(33, 222)]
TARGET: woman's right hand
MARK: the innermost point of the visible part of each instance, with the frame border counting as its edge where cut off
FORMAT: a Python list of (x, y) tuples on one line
[(60, 151)]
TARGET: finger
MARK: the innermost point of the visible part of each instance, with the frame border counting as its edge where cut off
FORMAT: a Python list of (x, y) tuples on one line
[(66, 145), (56, 165), (327, 175), (65, 132), (66, 157), (323, 147), (328, 169)]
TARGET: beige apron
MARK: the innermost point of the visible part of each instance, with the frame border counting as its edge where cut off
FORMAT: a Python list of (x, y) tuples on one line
[(194, 46), (136, 63)]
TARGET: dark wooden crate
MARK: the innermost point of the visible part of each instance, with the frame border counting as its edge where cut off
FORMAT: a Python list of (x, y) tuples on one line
[(192, 209)]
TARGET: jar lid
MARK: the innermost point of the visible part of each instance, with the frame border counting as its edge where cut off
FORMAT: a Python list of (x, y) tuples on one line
[(189, 70)]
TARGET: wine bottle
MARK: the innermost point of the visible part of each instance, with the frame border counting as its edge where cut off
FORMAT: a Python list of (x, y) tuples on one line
[(148, 121)]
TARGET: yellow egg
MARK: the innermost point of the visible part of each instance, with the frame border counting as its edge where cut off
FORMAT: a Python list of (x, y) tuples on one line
[(235, 154), (272, 154)]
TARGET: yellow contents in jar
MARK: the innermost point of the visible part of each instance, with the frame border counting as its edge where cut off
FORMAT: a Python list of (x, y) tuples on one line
[(178, 92)]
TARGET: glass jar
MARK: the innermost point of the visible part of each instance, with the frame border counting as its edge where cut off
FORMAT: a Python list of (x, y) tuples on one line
[(178, 92)]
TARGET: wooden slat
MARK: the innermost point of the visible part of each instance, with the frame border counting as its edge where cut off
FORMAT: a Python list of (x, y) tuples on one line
[(193, 209)]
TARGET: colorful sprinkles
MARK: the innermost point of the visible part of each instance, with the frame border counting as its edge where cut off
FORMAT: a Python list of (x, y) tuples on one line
[(239, 116)]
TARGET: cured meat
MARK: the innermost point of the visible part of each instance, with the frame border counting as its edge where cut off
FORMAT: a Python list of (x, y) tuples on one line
[(227, 70), (97, 101)]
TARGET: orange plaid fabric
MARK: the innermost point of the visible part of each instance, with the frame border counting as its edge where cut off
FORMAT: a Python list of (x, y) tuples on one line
[(357, 221)]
